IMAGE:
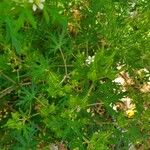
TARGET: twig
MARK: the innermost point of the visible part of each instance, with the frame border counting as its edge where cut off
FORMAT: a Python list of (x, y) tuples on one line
[(90, 90), (18, 76), (6, 91), (34, 115), (64, 78), (8, 78), (64, 65), (94, 104), (12, 88), (27, 83)]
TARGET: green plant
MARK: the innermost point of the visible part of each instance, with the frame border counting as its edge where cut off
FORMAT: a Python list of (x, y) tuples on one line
[(74, 73)]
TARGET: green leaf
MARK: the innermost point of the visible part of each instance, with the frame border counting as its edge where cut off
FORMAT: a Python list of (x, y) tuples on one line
[(27, 96), (11, 35), (30, 18), (20, 22), (46, 15)]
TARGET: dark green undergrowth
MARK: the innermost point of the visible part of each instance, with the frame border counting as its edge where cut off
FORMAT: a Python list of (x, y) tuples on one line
[(58, 63)]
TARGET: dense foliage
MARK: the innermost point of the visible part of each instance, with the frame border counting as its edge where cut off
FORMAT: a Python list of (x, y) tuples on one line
[(60, 66)]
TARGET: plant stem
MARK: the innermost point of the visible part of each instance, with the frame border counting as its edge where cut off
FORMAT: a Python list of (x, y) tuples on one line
[(64, 60), (8, 78)]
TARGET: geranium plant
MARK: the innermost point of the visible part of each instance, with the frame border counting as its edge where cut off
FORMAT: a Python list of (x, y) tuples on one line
[(74, 74)]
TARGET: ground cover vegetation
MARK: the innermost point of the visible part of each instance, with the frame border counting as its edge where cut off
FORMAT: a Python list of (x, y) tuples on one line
[(74, 74)]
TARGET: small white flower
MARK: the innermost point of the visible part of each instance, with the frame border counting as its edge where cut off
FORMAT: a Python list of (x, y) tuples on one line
[(34, 7), (114, 107), (90, 59), (41, 6), (37, 4)]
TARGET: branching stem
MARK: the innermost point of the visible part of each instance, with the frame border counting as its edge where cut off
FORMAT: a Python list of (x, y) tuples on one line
[(64, 60)]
